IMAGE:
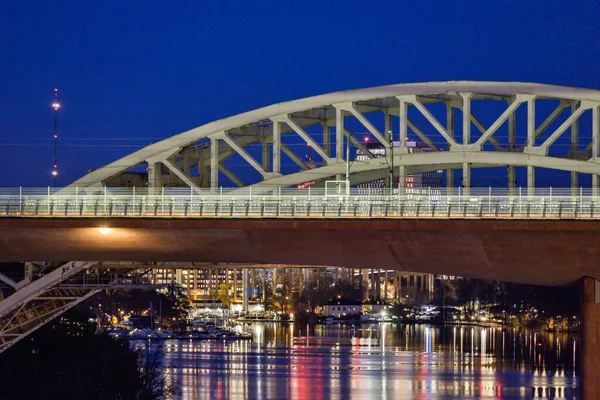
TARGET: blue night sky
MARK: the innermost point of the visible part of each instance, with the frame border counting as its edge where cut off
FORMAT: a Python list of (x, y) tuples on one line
[(130, 74)]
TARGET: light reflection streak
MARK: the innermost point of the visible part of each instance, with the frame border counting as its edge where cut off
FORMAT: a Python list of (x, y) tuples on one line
[(358, 365)]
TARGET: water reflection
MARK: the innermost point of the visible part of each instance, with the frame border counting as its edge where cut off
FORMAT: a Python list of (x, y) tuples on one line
[(386, 360)]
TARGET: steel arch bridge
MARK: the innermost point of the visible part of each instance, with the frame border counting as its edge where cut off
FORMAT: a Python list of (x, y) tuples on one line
[(195, 158)]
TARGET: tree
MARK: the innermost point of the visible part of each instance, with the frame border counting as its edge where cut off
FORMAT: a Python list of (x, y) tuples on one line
[(153, 382), (316, 291), (224, 295), (65, 360), (345, 288)]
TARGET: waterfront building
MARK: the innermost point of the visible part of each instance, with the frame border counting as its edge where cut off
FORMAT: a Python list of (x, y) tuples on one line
[(342, 307), (376, 307)]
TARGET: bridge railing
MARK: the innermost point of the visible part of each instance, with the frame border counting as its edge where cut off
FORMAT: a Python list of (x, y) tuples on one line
[(546, 203)]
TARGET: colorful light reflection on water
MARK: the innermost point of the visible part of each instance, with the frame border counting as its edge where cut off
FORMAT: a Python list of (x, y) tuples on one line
[(377, 361)]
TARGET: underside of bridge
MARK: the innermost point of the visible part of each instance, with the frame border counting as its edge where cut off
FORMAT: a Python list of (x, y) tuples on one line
[(524, 251)]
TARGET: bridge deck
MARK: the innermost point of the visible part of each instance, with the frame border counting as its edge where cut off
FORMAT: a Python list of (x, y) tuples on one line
[(550, 252)]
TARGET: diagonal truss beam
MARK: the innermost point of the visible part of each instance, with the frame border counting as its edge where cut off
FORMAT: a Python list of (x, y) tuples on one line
[(520, 99), (27, 320), (22, 312), (56, 293), (551, 118), (563, 127), (364, 121), (421, 135), (294, 157), (7, 280), (563, 105), (305, 136), (364, 150), (234, 178), (481, 128), (412, 99), (238, 149), (30, 291), (181, 175)]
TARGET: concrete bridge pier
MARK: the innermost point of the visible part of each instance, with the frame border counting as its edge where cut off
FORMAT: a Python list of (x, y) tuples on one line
[(590, 339), (245, 277)]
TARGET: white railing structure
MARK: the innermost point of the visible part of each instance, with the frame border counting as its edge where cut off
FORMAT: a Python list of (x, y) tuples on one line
[(317, 203)]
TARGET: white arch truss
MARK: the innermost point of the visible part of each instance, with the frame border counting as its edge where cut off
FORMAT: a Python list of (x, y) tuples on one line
[(195, 158)]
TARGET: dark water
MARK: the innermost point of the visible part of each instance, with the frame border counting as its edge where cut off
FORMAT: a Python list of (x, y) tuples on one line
[(377, 362)]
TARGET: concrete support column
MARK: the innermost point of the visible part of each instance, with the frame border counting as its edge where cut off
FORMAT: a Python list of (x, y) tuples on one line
[(276, 146), (574, 148), (154, 178), (466, 125), (214, 163), (28, 273), (466, 181), (530, 142), (403, 114), (266, 159), (378, 285), (339, 134), (365, 282), (372, 291), (326, 138), (401, 280), (512, 129), (245, 290), (385, 285), (595, 142), (589, 361), (402, 180), (274, 277), (389, 152), (450, 130)]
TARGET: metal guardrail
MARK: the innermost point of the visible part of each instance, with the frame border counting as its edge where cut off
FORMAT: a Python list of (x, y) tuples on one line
[(303, 203)]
